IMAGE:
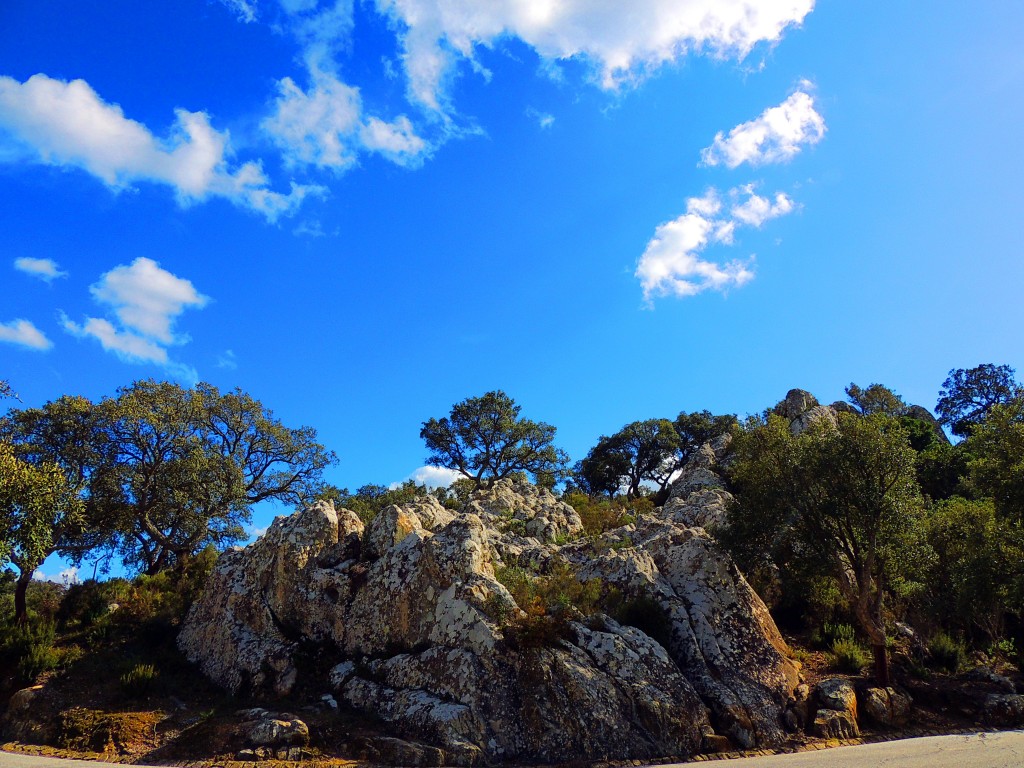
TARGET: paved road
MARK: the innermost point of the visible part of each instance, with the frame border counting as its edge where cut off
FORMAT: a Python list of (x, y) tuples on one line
[(980, 750)]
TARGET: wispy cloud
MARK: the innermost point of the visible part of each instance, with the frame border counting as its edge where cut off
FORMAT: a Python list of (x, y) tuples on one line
[(227, 361), (672, 263), (776, 135), (544, 120), (25, 334), (67, 124), (146, 301), (45, 269)]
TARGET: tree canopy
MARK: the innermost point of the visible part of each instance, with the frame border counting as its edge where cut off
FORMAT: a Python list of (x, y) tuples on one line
[(968, 394), (38, 509), (846, 494), (164, 471), (484, 439)]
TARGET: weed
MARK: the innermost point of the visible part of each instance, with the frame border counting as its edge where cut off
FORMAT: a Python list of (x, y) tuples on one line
[(848, 656)]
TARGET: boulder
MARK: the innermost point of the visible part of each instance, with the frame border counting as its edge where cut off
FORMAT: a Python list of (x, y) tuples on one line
[(819, 413), (18, 724), (832, 724), (885, 706), (1003, 710), (797, 401), (273, 730), (837, 693), (424, 637)]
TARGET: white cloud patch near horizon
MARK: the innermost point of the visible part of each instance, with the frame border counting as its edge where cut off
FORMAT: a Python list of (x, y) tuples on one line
[(433, 477), (624, 41), (776, 135), (66, 577), (44, 269), (25, 334), (67, 124), (146, 301), (671, 264)]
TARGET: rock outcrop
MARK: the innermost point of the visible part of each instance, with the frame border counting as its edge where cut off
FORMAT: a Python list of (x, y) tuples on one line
[(428, 639)]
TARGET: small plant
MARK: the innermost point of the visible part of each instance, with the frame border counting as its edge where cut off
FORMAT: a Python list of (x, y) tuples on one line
[(1003, 649), (848, 656), (946, 653), (140, 680)]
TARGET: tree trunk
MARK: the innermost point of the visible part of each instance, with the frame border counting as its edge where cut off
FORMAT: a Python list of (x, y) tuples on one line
[(20, 590), (881, 655)]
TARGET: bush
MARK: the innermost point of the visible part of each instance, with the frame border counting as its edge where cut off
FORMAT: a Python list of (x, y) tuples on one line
[(646, 614), (28, 648), (848, 656), (946, 653), (140, 680), (549, 602), (600, 515)]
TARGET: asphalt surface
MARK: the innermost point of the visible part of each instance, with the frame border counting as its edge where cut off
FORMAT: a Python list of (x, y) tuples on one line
[(1004, 749)]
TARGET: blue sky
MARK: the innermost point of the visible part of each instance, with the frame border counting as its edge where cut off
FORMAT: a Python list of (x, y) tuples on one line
[(363, 213)]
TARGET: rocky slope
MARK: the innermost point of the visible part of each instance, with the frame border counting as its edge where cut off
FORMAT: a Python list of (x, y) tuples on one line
[(428, 639)]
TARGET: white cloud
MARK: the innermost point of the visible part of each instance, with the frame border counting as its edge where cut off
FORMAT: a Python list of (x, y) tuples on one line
[(146, 300), (756, 210), (776, 135), (623, 40), (66, 577), (244, 9), (325, 126), (227, 361), (44, 269), (68, 124), (24, 333), (544, 120), (433, 477), (671, 265)]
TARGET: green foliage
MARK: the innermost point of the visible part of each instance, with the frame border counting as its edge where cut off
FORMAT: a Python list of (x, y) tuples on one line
[(641, 451), (27, 648), (849, 656), (978, 573), (160, 602), (189, 465), (996, 466), (941, 469), (969, 394), (484, 439), (876, 398), (89, 602), (600, 515), (946, 653), (548, 601), (843, 500), (140, 680)]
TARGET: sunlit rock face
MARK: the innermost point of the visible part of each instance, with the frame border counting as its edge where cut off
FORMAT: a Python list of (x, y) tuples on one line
[(424, 633)]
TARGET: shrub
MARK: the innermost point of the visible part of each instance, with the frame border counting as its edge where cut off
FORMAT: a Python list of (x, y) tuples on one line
[(139, 680), (646, 614), (29, 649), (600, 515), (946, 653), (549, 602), (848, 656)]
